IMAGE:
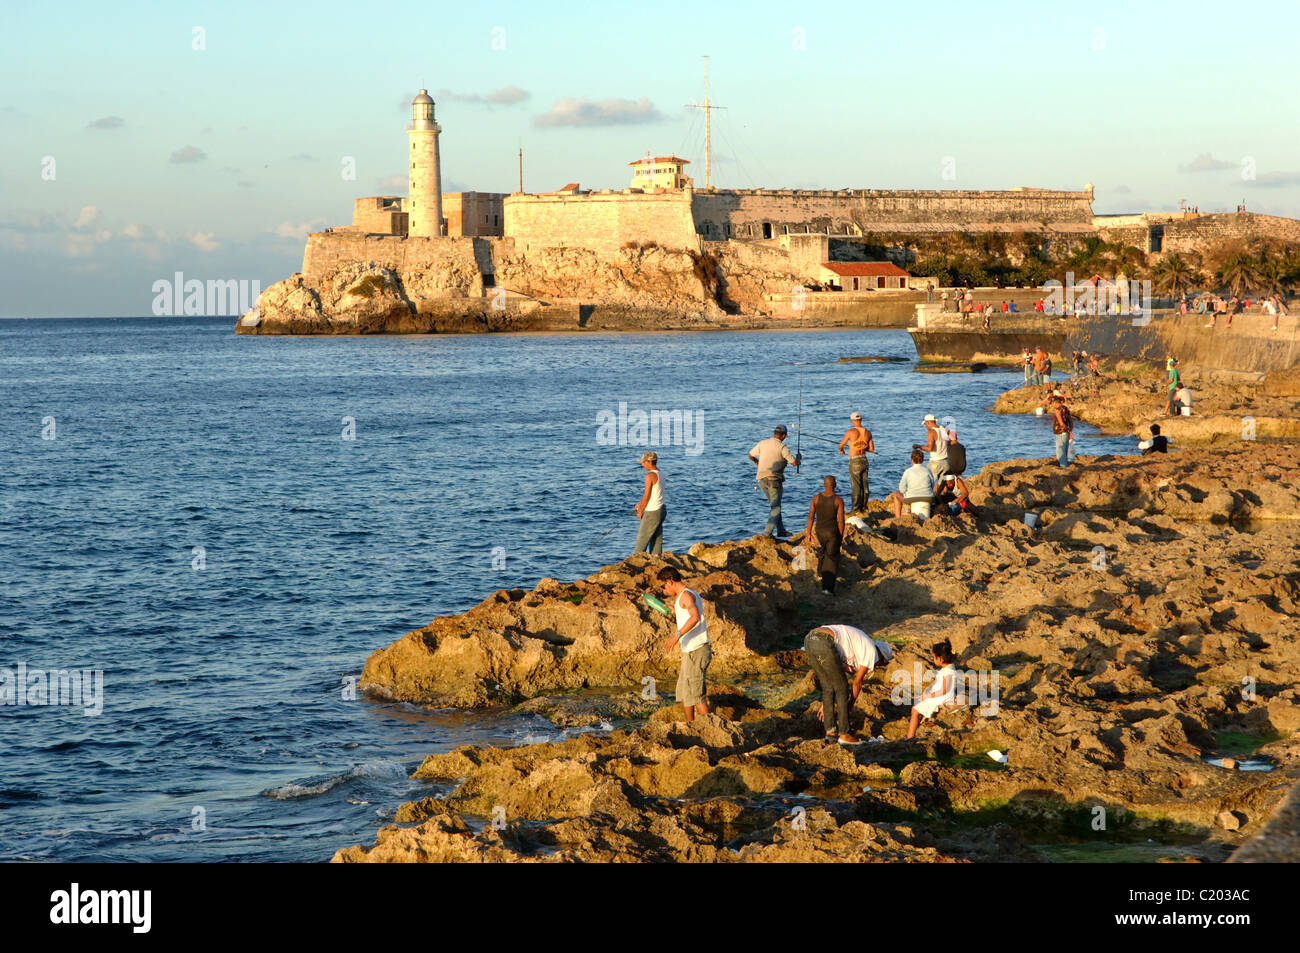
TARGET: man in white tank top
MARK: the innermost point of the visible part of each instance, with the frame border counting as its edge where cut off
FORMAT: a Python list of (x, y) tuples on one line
[(650, 511), (692, 634)]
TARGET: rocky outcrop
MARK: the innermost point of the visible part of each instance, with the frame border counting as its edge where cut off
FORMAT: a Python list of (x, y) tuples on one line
[(1128, 398), (1142, 634)]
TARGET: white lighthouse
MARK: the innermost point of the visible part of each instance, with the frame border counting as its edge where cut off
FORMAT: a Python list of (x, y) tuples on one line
[(425, 203)]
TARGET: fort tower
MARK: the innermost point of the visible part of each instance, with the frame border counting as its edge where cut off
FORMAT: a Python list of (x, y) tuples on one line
[(425, 202)]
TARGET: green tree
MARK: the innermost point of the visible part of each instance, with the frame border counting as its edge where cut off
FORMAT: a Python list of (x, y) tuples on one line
[(1174, 276)]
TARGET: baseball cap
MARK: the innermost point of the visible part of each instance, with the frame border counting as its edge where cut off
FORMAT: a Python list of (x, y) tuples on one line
[(779, 428), (855, 416), (649, 457), (930, 418)]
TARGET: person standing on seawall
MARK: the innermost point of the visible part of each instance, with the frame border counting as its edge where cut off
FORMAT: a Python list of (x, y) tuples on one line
[(650, 511), (771, 457)]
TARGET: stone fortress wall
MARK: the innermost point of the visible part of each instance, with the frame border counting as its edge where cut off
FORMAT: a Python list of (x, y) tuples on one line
[(1164, 233)]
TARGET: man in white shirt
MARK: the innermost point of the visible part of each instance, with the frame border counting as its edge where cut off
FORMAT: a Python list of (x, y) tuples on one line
[(692, 635), (835, 652), (771, 456)]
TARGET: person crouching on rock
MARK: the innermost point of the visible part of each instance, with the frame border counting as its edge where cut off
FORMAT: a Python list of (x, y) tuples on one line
[(835, 652), (827, 509), (693, 636), (942, 694)]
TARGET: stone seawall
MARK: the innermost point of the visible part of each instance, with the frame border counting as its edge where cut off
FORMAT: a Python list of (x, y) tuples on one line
[(1249, 346)]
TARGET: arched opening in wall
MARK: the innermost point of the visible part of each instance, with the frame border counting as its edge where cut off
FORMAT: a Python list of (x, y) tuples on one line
[(767, 229), (1156, 238)]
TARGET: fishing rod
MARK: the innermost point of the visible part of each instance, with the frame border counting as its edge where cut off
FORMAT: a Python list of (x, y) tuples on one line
[(798, 429)]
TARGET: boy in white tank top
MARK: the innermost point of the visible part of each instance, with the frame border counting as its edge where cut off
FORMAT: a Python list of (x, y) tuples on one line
[(692, 634)]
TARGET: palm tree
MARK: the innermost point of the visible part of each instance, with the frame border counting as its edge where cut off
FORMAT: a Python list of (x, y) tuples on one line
[(1174, 276), (1239, 273)]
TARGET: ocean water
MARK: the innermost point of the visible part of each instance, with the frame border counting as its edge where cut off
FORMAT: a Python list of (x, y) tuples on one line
[(227, 526)]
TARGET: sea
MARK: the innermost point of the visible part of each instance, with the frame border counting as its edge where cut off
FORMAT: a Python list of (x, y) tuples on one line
[(214, 531)]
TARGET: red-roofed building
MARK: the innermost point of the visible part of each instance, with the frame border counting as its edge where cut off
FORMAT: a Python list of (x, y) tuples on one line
[(660, 172), (863, 275)]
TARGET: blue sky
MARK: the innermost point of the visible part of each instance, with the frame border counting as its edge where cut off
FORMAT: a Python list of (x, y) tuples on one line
[(130, 154)]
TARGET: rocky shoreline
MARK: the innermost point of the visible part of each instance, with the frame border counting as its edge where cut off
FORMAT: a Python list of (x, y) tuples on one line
[(1143, 633)]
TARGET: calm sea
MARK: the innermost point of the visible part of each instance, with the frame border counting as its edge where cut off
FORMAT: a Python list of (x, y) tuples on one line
[(227, 526)]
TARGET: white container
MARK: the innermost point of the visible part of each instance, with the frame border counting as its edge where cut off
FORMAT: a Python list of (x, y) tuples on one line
[(1187, 411), (1038, 411), (1031, 520)]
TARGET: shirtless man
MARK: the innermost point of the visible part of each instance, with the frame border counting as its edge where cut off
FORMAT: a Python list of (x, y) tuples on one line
[(860, 444)]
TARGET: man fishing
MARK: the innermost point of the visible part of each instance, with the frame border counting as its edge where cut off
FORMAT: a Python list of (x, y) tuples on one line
[(692, 636), (1063, 428), (771, 457), (860, 443), (650, 510), (936, 442)]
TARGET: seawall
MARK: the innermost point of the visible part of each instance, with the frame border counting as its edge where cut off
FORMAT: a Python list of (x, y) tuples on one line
[(1249, 346)]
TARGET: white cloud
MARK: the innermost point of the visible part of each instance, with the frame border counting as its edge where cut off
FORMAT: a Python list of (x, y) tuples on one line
[(290, 230), (189, 154), (203, 241), (88, 215), (1206, 163), (604, 112)]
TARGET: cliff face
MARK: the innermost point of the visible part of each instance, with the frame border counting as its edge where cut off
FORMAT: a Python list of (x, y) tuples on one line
[(356, 284)]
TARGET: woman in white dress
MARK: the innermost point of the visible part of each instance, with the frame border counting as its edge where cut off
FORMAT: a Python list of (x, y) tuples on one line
[(942, 694)]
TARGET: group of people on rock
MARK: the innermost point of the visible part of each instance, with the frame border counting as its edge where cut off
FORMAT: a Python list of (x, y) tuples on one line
[(841, 658)]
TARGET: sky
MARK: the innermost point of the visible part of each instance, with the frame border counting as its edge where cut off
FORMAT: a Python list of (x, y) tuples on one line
[(145, 139)]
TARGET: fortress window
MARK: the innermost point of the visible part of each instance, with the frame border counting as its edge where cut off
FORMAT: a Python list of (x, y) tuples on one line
[(767, 229)]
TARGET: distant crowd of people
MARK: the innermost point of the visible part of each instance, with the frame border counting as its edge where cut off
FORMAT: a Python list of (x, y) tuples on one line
[(1214, 306)]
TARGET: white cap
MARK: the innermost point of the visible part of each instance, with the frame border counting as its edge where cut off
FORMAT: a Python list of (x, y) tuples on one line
[(855, 416), (929, 418)]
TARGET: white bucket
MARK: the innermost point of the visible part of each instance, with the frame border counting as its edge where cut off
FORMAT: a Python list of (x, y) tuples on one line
[(1187, 411), (921, 511), (1038, 411), (1031, 520)]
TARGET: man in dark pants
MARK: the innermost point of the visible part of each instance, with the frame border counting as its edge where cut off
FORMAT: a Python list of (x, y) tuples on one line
[(827, 511), (860, 444), (771, 457), (834, 652)]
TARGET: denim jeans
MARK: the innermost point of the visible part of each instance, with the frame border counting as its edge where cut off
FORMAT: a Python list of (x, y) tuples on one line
[(771, 486), (650, 537), (858, 482), (829, 670), (1064, 449)]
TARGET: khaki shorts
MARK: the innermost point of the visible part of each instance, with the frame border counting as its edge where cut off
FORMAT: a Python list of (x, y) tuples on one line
[(691, 678)]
